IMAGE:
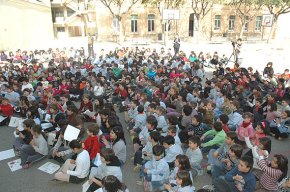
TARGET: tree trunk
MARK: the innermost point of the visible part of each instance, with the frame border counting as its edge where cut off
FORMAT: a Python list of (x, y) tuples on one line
[(121, 34), (272, 31), (242, 30)]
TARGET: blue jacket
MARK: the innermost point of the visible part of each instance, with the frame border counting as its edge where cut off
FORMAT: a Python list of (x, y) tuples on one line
[(249, 180)]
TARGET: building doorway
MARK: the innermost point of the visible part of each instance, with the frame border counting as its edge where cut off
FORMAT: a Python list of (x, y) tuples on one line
[(191, 25)]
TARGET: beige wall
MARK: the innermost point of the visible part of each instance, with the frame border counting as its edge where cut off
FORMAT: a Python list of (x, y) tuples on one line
[(24, 25)]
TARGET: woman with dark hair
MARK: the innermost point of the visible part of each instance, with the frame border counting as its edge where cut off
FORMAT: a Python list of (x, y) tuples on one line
[(118, 143), (74, 171)]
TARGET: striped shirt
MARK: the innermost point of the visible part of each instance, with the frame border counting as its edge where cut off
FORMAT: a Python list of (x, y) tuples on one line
[(270, 176)]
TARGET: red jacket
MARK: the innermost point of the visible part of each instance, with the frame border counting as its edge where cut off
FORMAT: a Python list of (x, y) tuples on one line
[(89, 106), (91, 144), (7, 110)]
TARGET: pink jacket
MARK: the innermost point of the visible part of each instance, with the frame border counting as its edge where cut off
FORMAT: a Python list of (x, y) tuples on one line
[(241, 131)]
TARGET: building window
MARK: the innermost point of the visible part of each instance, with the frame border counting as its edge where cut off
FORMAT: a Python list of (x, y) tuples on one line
[(246, 23), (258, 23), (165, 26), (116, 24), (232, 23), (60, 29), (151, 19), (134, 27), (217, 22), (58, 13)]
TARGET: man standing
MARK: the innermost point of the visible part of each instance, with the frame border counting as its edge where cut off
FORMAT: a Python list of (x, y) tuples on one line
[(238, 47), (90, 45), (176, 44)]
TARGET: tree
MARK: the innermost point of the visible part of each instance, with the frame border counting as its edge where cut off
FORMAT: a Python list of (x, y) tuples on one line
[(246, 10), (276, 8), (118, 8), (201, 8)]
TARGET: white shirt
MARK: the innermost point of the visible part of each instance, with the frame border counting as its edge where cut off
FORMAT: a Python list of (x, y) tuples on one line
[(82, 165)]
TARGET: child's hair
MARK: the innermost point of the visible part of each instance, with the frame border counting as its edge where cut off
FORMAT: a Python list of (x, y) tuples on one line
[(113, 121), (172, 129), (155, 136), (160, 109), (183, 161), (108, 154), (93, 128), (195, 139), (140, 109), (37, 129), (235, 103), (224, 118), (273, 107), (198, 118), (54, 107), (187, 110), (232, 135), (112, 184), (152, 105), (264, 127), (173, 120), (218, 126), (72, 108), (158, 150), (184, 176), (76, 143), (248, 161), (282, 163), (266, 143), (152, 121), (237, 150), (119, 133), (86, 96), (29, 123), (169, 140), (248, 115)]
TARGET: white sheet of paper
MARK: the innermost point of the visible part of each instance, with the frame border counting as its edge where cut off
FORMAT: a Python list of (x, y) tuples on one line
[(47, 117), (15, 165), (2, 118), (71, 133), (7, 154), (15, 135), (97, 160), (49, 167), (85, 186), (89, 113), (20, 124), (14, 122), (46, 125)]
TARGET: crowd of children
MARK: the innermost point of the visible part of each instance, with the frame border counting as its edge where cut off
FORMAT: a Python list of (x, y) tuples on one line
[(177, 118)]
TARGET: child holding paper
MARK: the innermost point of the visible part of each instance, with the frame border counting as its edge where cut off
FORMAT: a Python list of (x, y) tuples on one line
[(25, 136), (74, 171), (7, 111), (36, 150)]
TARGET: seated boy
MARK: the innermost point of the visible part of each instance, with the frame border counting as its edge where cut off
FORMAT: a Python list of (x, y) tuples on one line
[(157, 170), (171, 150), (235, 153), (218, 139), (238, 179)]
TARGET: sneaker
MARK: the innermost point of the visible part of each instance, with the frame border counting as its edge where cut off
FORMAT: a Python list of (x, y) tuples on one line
[(208, 168), (17, 153), (55, 181)]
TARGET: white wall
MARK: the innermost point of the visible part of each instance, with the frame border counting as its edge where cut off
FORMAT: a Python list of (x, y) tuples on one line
[(24, 25)]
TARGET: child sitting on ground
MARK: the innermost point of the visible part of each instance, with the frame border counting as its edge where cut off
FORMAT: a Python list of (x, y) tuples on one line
[(216, 141), (245, 127), (215, 157), (7, 111), (239, 178), (273, 172), (91, 144), (156, 171), (194, 153), (171, 150), (235, 153)]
